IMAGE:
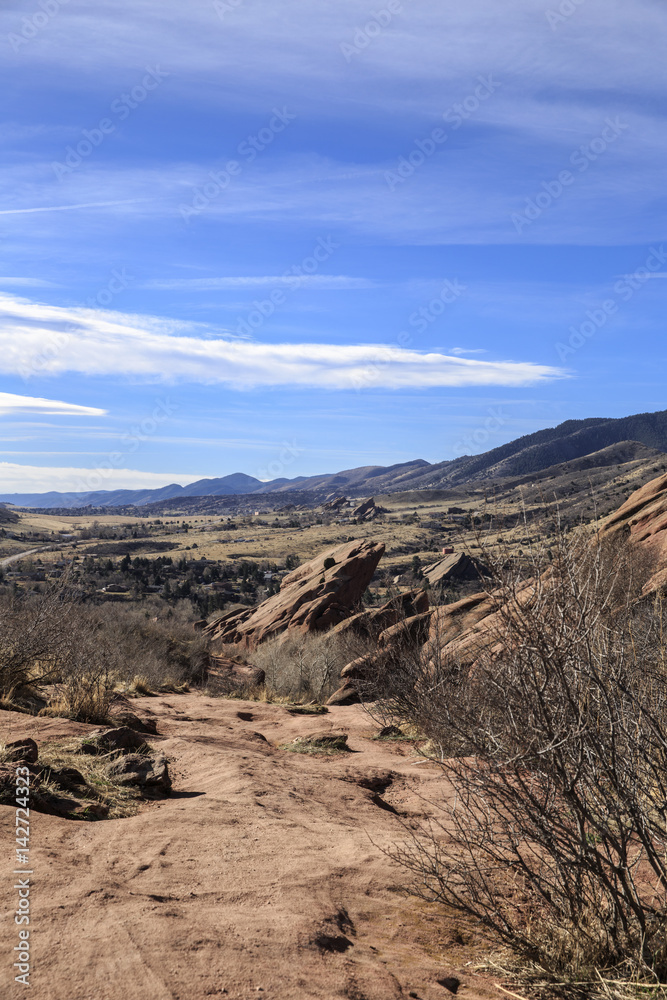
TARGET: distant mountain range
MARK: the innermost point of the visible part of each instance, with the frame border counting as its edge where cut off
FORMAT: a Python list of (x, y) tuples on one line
[(527, 455)]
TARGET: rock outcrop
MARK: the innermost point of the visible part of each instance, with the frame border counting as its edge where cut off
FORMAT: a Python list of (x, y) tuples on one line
[(407, 621), (367, 511), (138, 769), (466, 628), (335, 504), (227, 675), (456, 566), (642, 520), (312, 598), (372, 621)]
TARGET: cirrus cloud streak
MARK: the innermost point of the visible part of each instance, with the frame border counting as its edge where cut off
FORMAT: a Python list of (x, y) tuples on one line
[(13, 404), (54, 340)]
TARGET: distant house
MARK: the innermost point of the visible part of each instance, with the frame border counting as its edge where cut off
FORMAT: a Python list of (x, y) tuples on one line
[(448, 551)]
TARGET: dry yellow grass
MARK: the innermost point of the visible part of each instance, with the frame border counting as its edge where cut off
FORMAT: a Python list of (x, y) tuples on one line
[(276, 538), (121, 800), (100, 787)]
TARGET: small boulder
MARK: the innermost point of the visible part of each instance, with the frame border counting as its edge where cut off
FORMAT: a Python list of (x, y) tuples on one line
[(450, 983), (105, 740), (25, 750), (68, 778), (326, 741), (346, 694), (146, 772), (132, 721)]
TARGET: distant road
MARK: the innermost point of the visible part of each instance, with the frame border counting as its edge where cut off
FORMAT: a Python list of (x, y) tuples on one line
[(21, 555)]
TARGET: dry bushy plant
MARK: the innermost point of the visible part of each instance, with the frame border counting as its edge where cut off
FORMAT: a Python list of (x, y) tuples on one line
[(162, 651), (556, 836), (307, 666), (35, 633), (82, 651)]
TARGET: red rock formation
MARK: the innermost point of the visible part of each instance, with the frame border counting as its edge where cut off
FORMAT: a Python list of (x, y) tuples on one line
[(642, 519), (312, 598), (466, 628), (413, 631), (366, 511), (372, 621), (453, 566), (335, 504)]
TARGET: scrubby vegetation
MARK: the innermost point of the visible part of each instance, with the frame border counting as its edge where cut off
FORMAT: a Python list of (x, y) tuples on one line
[(303, 667), (53, 646), (554, 736)]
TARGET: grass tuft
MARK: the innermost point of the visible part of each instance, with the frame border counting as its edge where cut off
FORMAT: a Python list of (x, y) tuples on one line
[(319, 743)]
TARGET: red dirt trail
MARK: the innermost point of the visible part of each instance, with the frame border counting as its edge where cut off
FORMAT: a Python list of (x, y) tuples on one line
[(245, 881)]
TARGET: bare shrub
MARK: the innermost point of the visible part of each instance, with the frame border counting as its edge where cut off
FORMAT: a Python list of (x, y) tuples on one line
[(556, 835), (34, 637), (81, 652), (160, 651), (83, 684), (307, 666)]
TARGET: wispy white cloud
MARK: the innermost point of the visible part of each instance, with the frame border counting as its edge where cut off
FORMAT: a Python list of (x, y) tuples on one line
[(66, 208), (99, 342), (11, 403), (28, 282), (458, 196), (336, 282), (428, 58), (287, 41), (15, 478)]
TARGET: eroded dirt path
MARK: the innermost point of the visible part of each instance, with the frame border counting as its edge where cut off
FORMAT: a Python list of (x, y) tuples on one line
[(261, 876)]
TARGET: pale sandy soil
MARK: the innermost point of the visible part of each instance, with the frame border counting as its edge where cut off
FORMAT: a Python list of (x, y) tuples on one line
[(222, 889)]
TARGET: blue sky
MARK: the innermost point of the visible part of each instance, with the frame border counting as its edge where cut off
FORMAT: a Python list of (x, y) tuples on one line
[(289, 238)]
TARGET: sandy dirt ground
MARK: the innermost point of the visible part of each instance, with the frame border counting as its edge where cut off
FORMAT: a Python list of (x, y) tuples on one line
[(262, 875)]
